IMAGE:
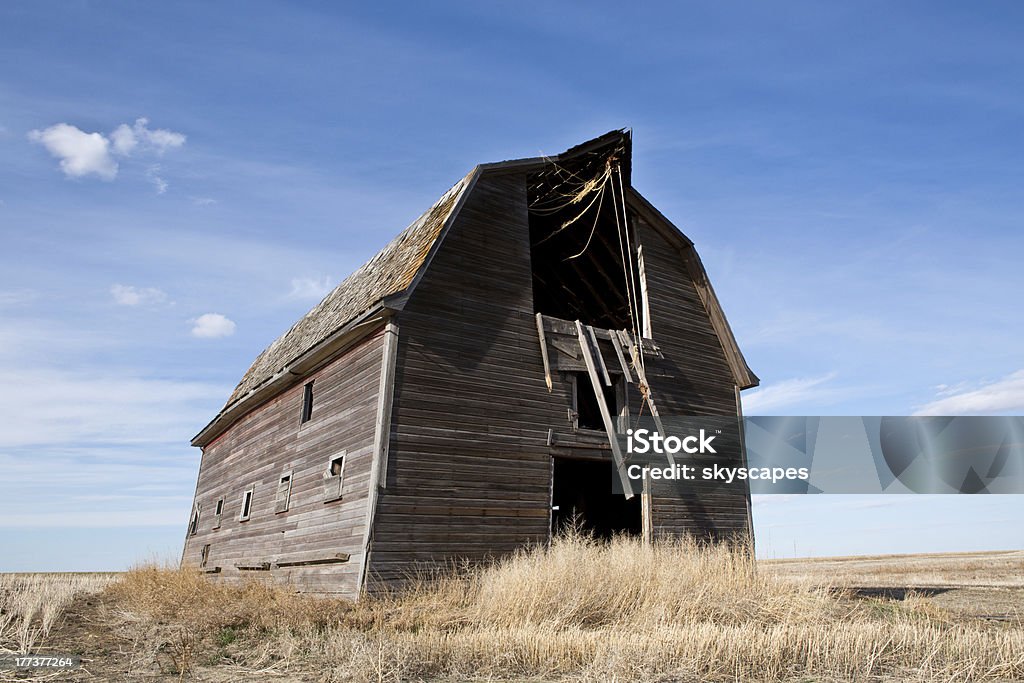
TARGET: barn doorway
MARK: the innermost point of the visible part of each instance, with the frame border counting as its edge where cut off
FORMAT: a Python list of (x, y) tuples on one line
[(581, 494)]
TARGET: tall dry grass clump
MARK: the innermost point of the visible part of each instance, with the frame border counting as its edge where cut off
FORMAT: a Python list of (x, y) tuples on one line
[(584, 583), (577, 610)]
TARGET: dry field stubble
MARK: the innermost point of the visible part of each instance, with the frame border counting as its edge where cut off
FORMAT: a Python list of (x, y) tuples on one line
[(577, 611)]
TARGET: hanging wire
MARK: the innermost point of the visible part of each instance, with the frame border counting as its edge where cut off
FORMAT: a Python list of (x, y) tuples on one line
[(597, 217)]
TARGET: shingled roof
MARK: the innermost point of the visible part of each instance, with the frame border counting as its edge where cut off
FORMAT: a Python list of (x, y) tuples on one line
[(388, 273)]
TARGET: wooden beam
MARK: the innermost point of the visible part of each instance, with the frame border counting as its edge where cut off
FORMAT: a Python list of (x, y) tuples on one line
[(646, 391), (617, 345), (606, 417), (646, 516), (600, 356), (381, 441), (544, 352)]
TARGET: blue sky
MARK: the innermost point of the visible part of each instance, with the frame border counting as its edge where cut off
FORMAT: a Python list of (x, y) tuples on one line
[(851, 176)]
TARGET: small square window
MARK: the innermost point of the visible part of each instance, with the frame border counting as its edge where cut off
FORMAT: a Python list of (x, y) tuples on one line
[(284, 493), (246, 504), (307, 402), (334, 477)]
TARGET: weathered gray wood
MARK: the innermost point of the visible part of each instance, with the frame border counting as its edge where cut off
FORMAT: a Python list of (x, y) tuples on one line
[(381, 440), (544, 352), (617, 346), (600, 356), (572, 350), (253, 567), (606, 417), (270, 441), (335, 558)]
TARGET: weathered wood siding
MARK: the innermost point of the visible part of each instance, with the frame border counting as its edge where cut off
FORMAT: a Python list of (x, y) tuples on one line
[(269, 441), (693, 379), (468, 469)]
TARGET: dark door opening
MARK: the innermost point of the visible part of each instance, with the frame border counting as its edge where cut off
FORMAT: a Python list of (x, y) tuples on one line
[(582, 495)]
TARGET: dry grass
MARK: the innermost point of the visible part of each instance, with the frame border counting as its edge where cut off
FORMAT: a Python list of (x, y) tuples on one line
[(30, 605), (577, 611), (1004, 569)]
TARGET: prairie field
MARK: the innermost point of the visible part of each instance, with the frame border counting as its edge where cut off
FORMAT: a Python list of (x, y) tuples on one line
[(579, 610)]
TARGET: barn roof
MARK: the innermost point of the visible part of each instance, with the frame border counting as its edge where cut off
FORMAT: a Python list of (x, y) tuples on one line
[(393, 272)]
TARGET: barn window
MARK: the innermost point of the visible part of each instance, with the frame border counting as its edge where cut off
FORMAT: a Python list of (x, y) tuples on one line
[(284, 492), (246, 504), (218, 510), (307, 402), (204, 556), (586, 411), (333, 477), (193, 527)]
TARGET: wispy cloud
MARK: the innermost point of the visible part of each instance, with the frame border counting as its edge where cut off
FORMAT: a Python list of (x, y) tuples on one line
[(127, 139), (1002, 396), (17, 297), (127, 295), (83, 154), (153, 175), (310, 288), (212, 326), (787, 393), (51, 406)]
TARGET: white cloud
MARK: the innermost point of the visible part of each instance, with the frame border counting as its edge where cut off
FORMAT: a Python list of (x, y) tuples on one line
[(203, 201), (83, 154), (212, 325), (127, 139), (310, 288), (127, 295), (80, 153), (1002, 396), (786, 393)]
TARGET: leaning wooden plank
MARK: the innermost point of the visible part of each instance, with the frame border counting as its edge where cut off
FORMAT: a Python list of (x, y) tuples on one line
[(648, 394), (606, 417), (617, 345), (544, 351), (600, 356)]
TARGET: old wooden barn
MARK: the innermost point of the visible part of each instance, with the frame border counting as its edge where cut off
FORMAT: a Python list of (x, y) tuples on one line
[(453, 397)]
